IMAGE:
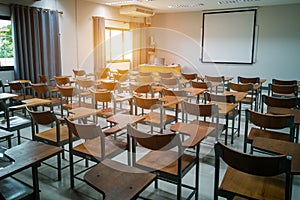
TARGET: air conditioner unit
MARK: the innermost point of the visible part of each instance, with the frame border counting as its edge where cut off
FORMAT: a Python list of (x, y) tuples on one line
[(136, 11)]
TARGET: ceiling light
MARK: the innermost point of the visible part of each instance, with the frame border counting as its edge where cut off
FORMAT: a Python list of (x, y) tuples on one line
[(186, 5), (235, 1), (122, 2)]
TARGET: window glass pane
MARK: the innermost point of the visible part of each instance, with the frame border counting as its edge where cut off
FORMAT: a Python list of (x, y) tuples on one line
[(127, 45), (116, 44), (6, 44)]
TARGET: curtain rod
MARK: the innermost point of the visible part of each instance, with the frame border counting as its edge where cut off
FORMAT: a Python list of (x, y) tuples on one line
[(7, 4)]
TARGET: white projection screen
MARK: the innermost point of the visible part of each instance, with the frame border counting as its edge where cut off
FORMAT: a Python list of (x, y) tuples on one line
[(228, 37)]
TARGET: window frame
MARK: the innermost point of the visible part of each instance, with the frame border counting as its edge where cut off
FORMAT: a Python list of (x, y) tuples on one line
[(6, 68), (123, 48)]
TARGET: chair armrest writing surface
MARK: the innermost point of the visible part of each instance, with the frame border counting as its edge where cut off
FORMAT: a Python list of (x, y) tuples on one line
[(27, 155), (196, 133)]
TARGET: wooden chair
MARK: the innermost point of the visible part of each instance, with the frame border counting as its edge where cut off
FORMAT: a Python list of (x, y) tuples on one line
[(204, 85), (230, 99), (157, 119), (145, 73), (252, 177), (66, 100), (261, 123), (189, 76), (123, 71), (253, 80), (166, 158), (95, 146), (207, 115), (57, 136), (84, 87), (218, 81), (283, 90), (43, 79), (284, 82), (13, 123), (41, 90), (245, 87)]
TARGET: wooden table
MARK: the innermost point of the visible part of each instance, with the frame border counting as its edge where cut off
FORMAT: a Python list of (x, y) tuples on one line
[(31, 103), (26, 155), (195, 132), (194, 92), (118, 181), (280, 147)]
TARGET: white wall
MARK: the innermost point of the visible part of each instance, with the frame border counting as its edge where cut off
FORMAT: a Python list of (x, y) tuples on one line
[(277, 52)]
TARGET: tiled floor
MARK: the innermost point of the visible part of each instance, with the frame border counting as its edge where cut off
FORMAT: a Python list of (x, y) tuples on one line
[(53, 189)]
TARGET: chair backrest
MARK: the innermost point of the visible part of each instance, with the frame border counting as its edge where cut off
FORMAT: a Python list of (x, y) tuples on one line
[(146, 103), (161, 142), (78, 72), (144, 79), (190, 77), (202, 110), (102, 73), (141, 89), (62, 80), (145, 73), (219, 79), (110, 85), (284, 82), (253, 164), (123, 71), (177, 93), (227, 98), (165, 74), (67, 91), (203, 85), (121, 77), (43, 78), (103, 97), (268, 121), (241, 87), (170, 82), (282, 90), (253, 80), (40, 89), (280, 102), (85, 83), (43, 117), (84, 131)]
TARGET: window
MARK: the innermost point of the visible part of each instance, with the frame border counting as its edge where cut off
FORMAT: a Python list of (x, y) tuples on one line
[(6, 43), (118, 45)]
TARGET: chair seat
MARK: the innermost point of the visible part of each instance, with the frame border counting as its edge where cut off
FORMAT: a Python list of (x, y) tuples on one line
[(168, 161), (11, 188), (154, 117), (255, 187), (49, 136), (92, 148), (255, 132)]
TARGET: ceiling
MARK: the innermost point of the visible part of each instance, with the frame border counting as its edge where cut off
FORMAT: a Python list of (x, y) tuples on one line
[(163, 6)]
